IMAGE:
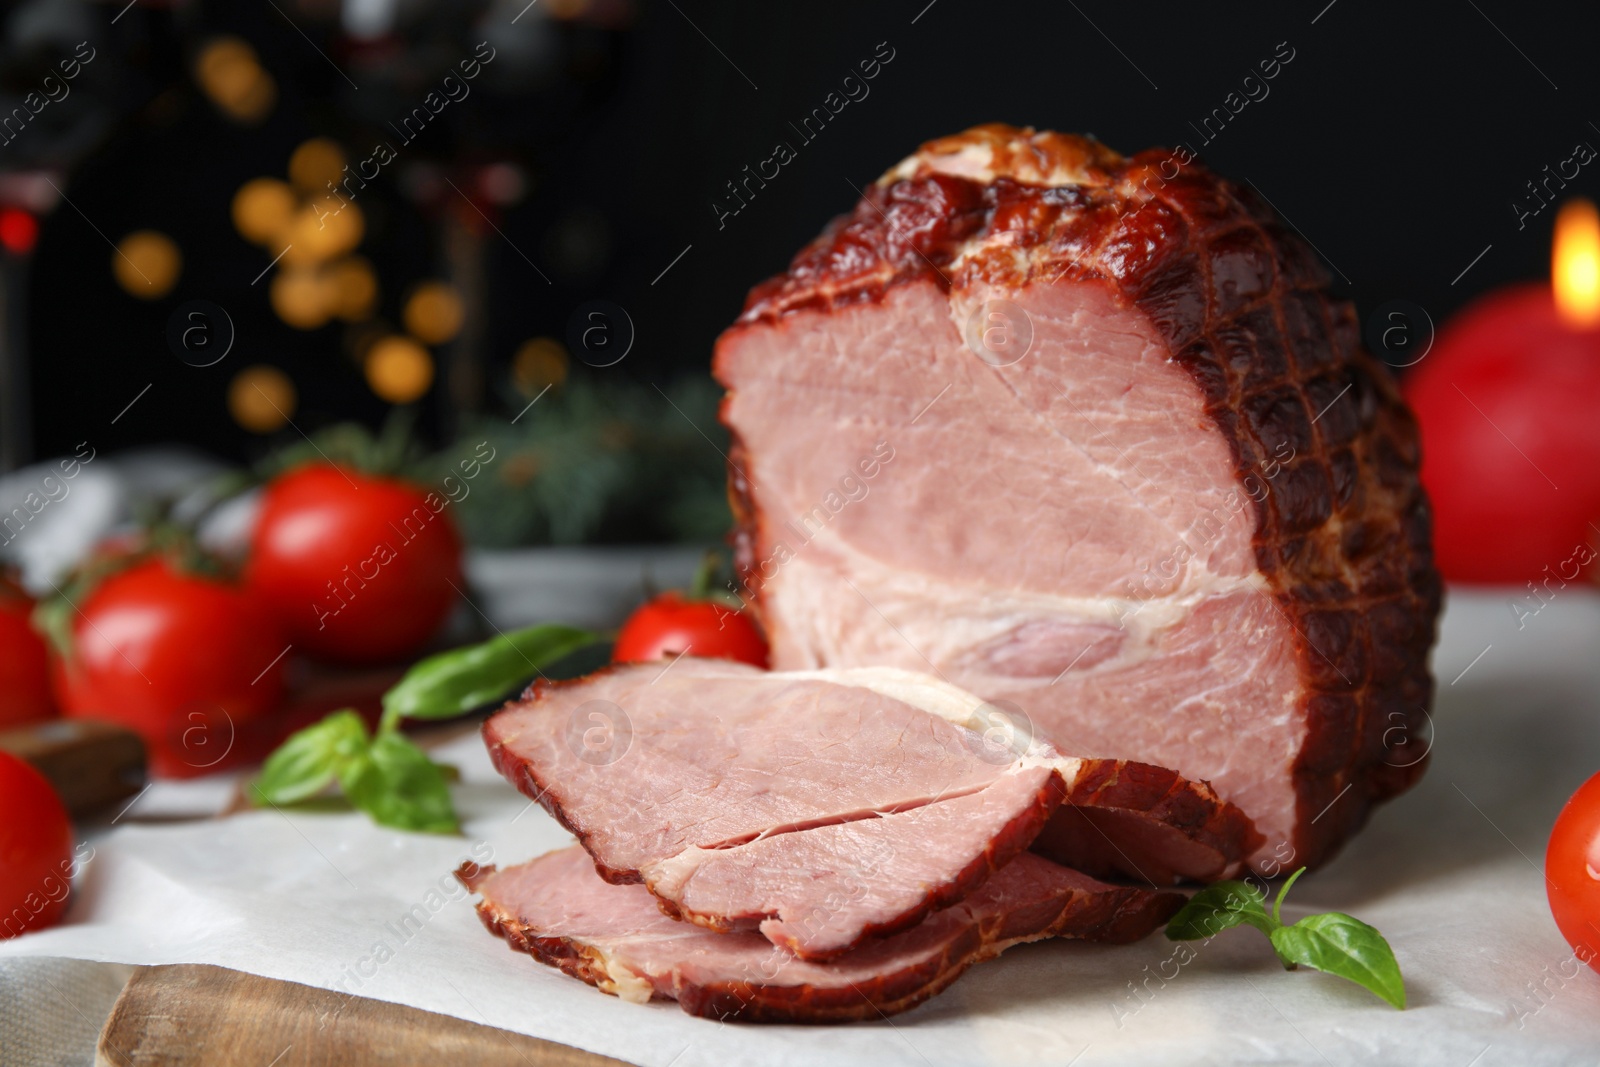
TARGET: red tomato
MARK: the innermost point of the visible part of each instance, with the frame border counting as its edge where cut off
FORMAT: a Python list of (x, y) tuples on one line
[(1510, 441), (180, 659), (357, 568), (674, 625), (1572, 872), (35, 850), (24, 661)]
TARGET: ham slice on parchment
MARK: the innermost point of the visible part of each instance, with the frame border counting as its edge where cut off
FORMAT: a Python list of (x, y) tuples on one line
[(827, 808), (1088, 436), (560, 911)]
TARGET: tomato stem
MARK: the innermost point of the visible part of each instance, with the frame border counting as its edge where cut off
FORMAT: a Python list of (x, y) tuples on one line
[(710, 563)]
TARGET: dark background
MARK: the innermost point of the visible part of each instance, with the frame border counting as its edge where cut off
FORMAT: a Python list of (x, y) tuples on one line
[(1396, 141)]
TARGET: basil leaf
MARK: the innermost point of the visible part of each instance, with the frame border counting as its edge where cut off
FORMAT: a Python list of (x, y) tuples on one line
[(398, 785), (1342, 945), (457, 681), (1218, 907), (309, 760)]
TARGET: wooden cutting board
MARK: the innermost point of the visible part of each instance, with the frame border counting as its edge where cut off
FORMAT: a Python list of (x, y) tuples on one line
[(195, 1015)]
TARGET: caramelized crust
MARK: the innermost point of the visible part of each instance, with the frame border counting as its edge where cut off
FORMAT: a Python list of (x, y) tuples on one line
[(1342, 540)]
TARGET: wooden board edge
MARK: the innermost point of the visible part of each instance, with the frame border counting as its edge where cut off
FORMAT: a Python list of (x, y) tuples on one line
[(186, 1015)]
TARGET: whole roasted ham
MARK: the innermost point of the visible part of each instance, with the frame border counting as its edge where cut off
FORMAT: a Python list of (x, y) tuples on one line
[(825, 809), (612, 936), (1087, 436)]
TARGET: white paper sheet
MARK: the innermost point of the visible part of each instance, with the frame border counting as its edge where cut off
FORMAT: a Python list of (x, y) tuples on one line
[(1450, 873)]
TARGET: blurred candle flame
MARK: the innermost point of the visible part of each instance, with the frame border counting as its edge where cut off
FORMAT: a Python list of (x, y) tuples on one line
[(1575, 264)]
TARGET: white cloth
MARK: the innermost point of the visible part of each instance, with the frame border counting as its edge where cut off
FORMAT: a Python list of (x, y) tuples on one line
[(1450, 873)]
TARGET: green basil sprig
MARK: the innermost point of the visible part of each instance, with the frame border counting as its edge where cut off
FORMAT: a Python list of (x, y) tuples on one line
[(453, 683), (1332, 942), (384, 773)]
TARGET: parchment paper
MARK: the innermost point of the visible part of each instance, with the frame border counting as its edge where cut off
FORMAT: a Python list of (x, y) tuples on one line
[(1451, 873)]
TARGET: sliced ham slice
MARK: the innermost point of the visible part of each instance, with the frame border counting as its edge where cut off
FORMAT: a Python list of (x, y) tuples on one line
[(1088, 434), (880, 874), (557, 909), (825, 808)]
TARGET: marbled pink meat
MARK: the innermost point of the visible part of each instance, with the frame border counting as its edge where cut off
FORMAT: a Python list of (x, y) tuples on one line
[(826, 808), (1087, 435)]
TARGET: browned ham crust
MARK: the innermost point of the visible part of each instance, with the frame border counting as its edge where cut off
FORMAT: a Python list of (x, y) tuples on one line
[(1154, 245)]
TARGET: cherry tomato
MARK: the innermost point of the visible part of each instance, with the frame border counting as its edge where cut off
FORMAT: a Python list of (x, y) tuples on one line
[(356, 568), (24, 661), (672, 624), (1572, 872), (183, 660), (35, 850), (1510, 442)]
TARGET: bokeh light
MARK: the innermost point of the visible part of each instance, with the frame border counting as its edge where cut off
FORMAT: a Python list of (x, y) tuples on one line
[(322, 230), (302, 297), (314, 164), (261, 398), (147, 263), (503, 183), (229, 73), (399, 369), (434, 312), (539, 364), (354, 288), (19, 231), (263, 209)]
